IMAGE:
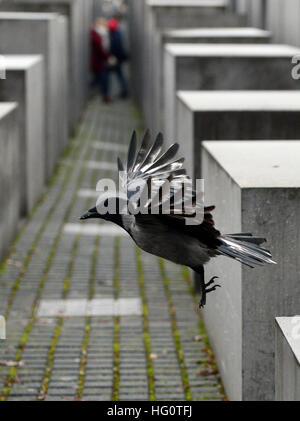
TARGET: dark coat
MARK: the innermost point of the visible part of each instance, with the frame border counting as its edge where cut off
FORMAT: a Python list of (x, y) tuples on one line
[(99, 55), (117, 46)]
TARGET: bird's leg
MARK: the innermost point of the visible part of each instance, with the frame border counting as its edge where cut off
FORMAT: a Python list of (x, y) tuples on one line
[(204, 286)]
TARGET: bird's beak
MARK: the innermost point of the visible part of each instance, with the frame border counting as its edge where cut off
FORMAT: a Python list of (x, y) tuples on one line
[(87, 215)]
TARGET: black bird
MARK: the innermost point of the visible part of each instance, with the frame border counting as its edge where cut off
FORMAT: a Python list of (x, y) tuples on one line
[(168, 235)]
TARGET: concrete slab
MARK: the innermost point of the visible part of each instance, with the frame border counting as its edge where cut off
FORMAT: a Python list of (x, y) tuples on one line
[(287, 359), (78, 42), (10, 185), (198, 36), (24, 84), (152, 17), (223, 66), (46, 34), (230, 115), (283, 18), (240, 317)]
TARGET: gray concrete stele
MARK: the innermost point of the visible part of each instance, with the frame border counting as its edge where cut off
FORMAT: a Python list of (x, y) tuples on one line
[(45, 34), (230, 115), (10, 181), (223, 66), (24, 84), (225, 35), (255, 187), (153, 16), (287, 359), (79, 14), (280, 17)]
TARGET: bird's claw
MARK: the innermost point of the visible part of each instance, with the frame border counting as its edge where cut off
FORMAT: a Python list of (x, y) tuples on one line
[(212, 289), (206, 290), (211, 281)]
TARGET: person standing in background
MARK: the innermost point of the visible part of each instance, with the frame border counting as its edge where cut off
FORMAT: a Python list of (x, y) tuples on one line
[(117, 50), (100, 54)]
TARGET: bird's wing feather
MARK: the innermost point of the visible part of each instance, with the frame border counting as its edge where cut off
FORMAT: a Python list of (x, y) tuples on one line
[(148, 174), (146, 143)]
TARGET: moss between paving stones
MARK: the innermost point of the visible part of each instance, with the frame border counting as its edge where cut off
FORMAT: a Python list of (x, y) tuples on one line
[(81, 376), (57, 331), (88, 324), (116, 341), (176, 335), (146, 334)]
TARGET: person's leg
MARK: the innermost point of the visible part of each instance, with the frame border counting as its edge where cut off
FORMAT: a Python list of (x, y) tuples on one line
[(122, 80), (94, 80), (104, 80)]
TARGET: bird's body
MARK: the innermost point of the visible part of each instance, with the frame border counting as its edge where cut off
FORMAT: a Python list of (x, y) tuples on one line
[(168, 235), (159, 239)]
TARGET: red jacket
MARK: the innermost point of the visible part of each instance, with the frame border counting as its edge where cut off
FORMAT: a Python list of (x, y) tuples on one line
[(99, 55)]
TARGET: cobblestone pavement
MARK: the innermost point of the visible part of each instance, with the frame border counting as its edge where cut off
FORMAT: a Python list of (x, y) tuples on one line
[(160, 354)]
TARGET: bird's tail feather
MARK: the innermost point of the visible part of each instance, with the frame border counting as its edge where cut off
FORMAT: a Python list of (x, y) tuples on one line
[(246, 249)]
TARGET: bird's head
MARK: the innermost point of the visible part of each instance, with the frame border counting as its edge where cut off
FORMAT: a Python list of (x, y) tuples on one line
[(107, 208)]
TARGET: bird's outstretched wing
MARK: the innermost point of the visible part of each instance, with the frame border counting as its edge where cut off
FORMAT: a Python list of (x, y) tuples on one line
[(155, 182)]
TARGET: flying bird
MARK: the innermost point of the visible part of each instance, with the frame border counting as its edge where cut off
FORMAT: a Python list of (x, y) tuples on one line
[(178, 235)]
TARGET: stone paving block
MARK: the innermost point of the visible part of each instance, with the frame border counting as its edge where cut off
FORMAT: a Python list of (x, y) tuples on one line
[(192, 67), (94, 230), (24, 84), (24, 398), (58, 398), (10, 179), (229, 115), (251, 299), (102, 389), (44, 34), (96, 398)]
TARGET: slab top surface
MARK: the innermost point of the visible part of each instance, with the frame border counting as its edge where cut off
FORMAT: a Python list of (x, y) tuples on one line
[(289, 328), (259, 164), (217, 32), (21, 62), (199, 101), (27, 16), (187, 3), (6, 108), (232, 50)]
